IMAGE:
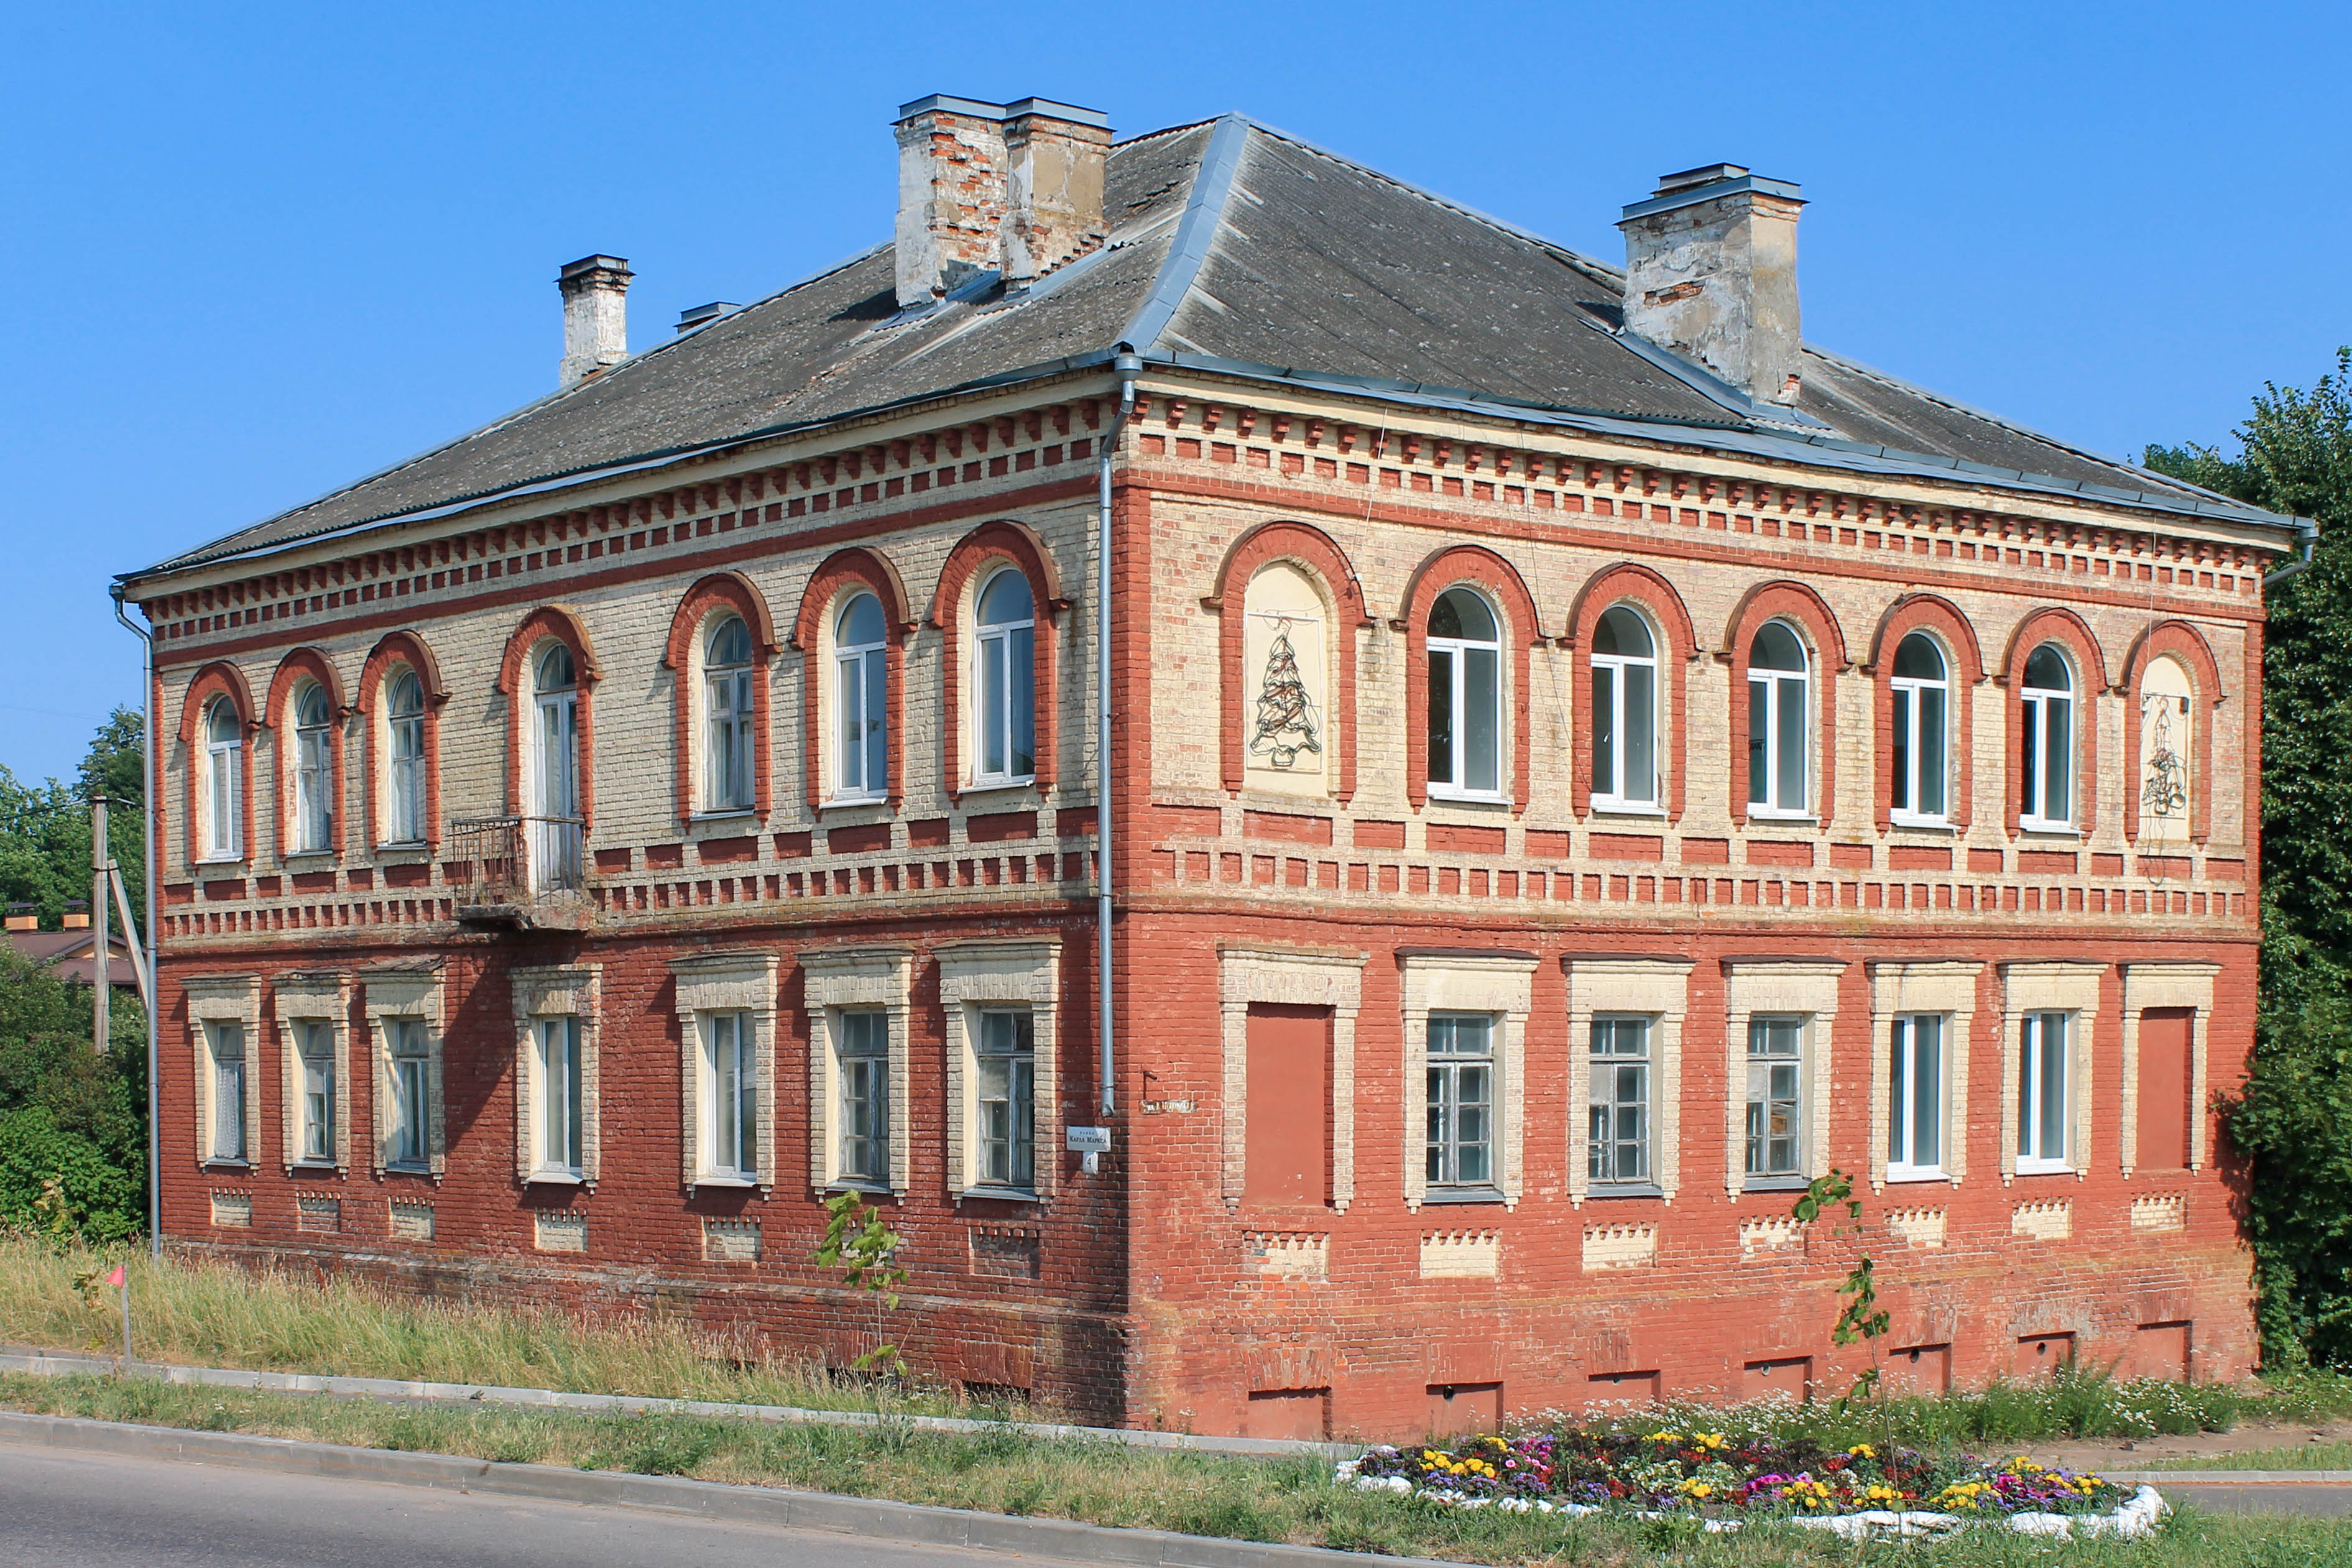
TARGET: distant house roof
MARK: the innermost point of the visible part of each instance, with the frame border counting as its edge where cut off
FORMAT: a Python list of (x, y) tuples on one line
[(1233, 247), (69, 952)]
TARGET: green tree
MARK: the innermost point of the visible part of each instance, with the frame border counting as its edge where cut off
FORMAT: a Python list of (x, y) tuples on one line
[(45, 827), (2293, 1119), (66, 1111)]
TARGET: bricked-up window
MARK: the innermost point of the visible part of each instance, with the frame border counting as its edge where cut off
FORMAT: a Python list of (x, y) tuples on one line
[(403, 784), (1619, 1141), (1915, 1097), (1920, 703), (412, 1094), (730, 1108), (1005, 1062), (862, 702), (1779, 735), (315, 1106), (1625, 713), (862, 1045), (1461, 1108), (224, 781), (1004, 653), (225, 1043), (1776, 1069), (2046, 763), (555, 770), (2044, 1093), (557, 1143), (1466, 699), (314, 776), (728, 704)]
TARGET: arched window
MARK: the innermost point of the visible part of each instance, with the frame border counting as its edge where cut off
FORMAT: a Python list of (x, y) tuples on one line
[(1921, 691), (729, 695), (314, 776), (1004, 648), (404, 716), (862, 762), (224, 781), (1624, 712), (2168, 758), (1465, 698), (2046, 763), (555, 770), (1779, 734)]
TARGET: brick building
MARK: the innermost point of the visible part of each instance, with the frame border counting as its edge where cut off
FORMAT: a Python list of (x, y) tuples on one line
[(1582, 762)]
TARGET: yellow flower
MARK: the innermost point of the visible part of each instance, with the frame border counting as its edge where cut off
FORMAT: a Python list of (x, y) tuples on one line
[(1861, 1451)]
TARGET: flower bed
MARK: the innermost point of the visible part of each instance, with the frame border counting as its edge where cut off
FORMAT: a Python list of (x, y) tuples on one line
[(1722, 1479)]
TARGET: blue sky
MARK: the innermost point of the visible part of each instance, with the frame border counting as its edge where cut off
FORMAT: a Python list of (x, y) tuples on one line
[(253, 251)]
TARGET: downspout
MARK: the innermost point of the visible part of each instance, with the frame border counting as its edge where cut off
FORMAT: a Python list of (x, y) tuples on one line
[(1127, 365), (2301, 562), (147, 794)]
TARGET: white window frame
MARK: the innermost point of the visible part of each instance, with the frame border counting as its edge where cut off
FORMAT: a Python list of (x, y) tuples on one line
[(845, 980), (1906, 714), (1443, 1102), (396, 998), (1457, 652), (410, 1080), (1904, 1042), (405, 806), (2050, 986), (1798, 1028), (224, 782), (994, 647), (558, 1095), (863, 1046), (556, 994), (1500, 985), (1606, 985), (866, 667), (1805, 989), (2032, 1108), (1597, 1108), (314, 769), (742, 985), (214, 1001), (1772, 681), (982, 977), (220, 1036), (1947, 989), (730, 1105), (2037, 703), (1010, 1122), (555, 770), (1609, 794), (316, 1097), (731, 695), (1283, 977)]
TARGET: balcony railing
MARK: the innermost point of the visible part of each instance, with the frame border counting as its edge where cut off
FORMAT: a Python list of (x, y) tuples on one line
[(517, 861)]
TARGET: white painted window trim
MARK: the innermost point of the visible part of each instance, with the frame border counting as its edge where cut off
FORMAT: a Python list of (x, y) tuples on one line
[(310, 796), (1777, 987), (221, 832), (1771, 680), (549, 993), (2149, 985), (385, 738), (2033, 701), (983, 643), (1606, 985), (2049, 987), (836, 656), (1293, 977), (312, 998), (710, 983), (1898, 988), (214, 999), (1004, 976), (702, 725), (1502, 984), (399, 992), (875, 977), (1457, 675), (1913, 685), (1614, 800)]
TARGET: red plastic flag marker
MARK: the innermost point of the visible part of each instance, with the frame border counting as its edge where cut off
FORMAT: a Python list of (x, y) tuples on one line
[(116, 1279)]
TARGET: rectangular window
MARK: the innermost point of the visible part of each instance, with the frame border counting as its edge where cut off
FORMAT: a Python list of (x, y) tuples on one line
[(729, 749), (412, 1103), (731, 1073), (1775, 1108), (863, 1050), (226, 1041), (1461, 1099), (1914, 1098), (1620, 1106), (560, 1144), (2043, 1093), (1007, 1096), (315, 1043), (313, 791), (408, 780), (865, 767), (1008, 717)]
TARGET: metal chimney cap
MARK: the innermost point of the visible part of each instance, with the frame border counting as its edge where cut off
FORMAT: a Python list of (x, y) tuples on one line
[(701, 315)]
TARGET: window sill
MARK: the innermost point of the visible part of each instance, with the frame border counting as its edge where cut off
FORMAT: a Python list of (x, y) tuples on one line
[(1915, 1178), (871, 1189), (220, 862), (1940, 825), (1785, 818), (1461, 1195), (726, 1181), (2042, 1168), (2051, 829), (315, 1166), (1600, 1190), (219, 1164), (294, 855), (1776, 1184), (406, 1169), (733, 813), (854, 802), (997, 786), (1613, 808), (1002, 1195), (555, 1179), (1463, 798), (404, 847)]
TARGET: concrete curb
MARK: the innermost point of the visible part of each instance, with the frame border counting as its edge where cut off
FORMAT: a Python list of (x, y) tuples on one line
[(45, 1364), (1060, 1540), (2229, 1478)]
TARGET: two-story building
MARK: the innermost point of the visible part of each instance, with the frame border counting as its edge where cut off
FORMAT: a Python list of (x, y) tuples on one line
[(1565, 761)]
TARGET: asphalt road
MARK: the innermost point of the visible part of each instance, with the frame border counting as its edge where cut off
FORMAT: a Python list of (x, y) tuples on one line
[(95, 1510), (2332, 1501)]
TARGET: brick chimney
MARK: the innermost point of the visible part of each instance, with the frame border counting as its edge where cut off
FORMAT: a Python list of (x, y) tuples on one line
[(1054, 199), (1711, 274), (595, 291), (951, 194)]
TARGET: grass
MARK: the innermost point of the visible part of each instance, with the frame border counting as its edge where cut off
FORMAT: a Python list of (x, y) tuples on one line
[(1005, 1471)]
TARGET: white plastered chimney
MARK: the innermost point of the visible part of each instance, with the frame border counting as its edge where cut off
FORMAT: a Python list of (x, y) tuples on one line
[(951, 194), (1711, 274), (595, 291), (1058, 155)]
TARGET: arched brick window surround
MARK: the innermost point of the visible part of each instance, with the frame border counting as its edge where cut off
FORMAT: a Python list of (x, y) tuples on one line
[(842, 571), (394, 650), (696, 613), (1314, 552), (1498, 582), (558, 623), (2066, 630), (1964, 664), (969, 564), (2184, 643), (1804, 609), (220, 679), (279, 719), (1629, 583)]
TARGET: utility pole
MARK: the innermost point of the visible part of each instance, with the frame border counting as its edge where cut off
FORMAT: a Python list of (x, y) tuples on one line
[(102, 952)]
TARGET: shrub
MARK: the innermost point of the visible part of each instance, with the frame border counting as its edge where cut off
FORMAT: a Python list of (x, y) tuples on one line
[(53, 1182)]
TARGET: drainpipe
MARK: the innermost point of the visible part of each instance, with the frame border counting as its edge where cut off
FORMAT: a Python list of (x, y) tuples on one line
[(147, 793), (1127, 365), (2301, 562)]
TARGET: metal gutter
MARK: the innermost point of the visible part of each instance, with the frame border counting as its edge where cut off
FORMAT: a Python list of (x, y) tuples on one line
[(2309, 530)]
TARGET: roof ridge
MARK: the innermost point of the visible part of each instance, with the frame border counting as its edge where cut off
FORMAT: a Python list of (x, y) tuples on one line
[(1188, 251)]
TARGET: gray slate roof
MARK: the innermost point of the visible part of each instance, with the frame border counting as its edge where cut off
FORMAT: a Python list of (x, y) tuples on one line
[(1231, 244)]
